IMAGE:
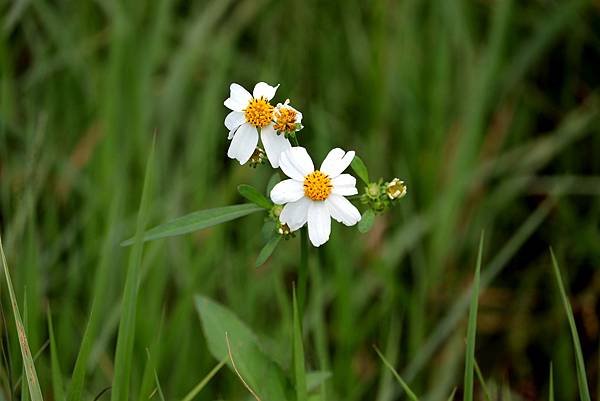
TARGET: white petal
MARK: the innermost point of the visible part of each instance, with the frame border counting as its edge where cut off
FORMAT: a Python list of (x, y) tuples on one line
[(344, 184), (342, 210), (287, 191), (243, 143), (319, 223), (336, 162), (238, 98), (295, 214), (274, 144), (231, 134), (234, 120), (265, 90), (296, 163)]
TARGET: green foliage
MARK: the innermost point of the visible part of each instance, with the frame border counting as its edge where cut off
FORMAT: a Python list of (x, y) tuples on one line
[(252, 194), (489, 111), (267, 250), (256, 369), (196, 221), (33, 383)]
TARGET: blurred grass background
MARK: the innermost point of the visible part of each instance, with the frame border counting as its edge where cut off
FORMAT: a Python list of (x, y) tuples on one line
[(488, 109)]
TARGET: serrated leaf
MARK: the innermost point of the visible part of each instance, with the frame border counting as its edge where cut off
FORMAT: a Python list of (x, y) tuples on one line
[(267, 250), (197, 221), (360, 169), (252, 194), (366, 221), (262, 374)]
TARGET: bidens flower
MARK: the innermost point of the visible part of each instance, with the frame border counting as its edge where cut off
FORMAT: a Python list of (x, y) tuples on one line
[(253, 113), (287, 119), (316, 196)]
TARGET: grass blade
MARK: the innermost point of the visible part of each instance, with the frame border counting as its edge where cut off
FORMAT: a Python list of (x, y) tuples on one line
[(471, 329), (196, 390), (57, 382), (584, 391), (299, 368), (124, 350), (551, 387), (196, 221), (405, 387), (32, 380)]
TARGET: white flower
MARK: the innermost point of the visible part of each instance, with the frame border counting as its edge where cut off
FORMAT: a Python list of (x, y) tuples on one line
[(287, 119), (315, 196), (252, 113)]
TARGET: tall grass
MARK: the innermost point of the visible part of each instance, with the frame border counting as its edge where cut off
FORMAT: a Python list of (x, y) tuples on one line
[(488, 110)]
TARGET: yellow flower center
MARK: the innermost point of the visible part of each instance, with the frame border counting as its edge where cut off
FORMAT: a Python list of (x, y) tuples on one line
[(317, 186), (259, 112), (285, 119)]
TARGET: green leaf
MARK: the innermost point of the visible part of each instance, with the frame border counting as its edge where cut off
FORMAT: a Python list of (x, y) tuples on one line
[(274, 180), (315, 379), (197, 221), (402, 383), (299, 369), (32, 380), (366, 221), (252, 194), (126, 333), (360, 169), (584, 391), (267, 250), (261, 374), (57, 382), (471, 329)]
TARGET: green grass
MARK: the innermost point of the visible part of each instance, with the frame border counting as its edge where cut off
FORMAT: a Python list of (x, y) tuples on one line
[(489, 111)]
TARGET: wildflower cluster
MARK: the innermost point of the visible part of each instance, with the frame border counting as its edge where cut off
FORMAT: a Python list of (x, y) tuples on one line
[(380, 196), (309, 196)]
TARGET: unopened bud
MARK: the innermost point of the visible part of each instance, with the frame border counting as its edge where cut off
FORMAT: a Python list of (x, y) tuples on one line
[(396, 189)]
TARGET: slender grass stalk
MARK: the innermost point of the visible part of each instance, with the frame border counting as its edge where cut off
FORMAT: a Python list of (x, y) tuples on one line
[(28, 365), (584, 391), (196, 390), (471, 329), (299, 368)]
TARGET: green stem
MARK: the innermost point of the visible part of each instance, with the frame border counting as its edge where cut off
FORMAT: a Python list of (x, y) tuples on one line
[(303, 272), (294, 140)]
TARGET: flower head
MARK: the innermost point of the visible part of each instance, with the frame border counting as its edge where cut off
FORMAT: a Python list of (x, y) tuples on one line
[(395, 189), (251, 114), (315, 196), (287, 119)]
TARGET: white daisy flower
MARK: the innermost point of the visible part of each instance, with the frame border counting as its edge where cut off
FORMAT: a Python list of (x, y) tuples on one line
[(287, 119), (315, 196), (253, 113)]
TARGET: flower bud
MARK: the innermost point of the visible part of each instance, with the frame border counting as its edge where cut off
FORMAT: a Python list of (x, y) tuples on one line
[(395, 189)]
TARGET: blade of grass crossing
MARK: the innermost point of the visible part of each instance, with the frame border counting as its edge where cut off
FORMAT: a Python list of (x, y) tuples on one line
[(584, 391), (57, 381), (190, 396), (32, 379), (402, 383), (299, 369), (471, 329), (124, 350), (551, 386)]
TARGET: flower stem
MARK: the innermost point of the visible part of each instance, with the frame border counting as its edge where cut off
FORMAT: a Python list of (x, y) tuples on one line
[(303, 272)]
